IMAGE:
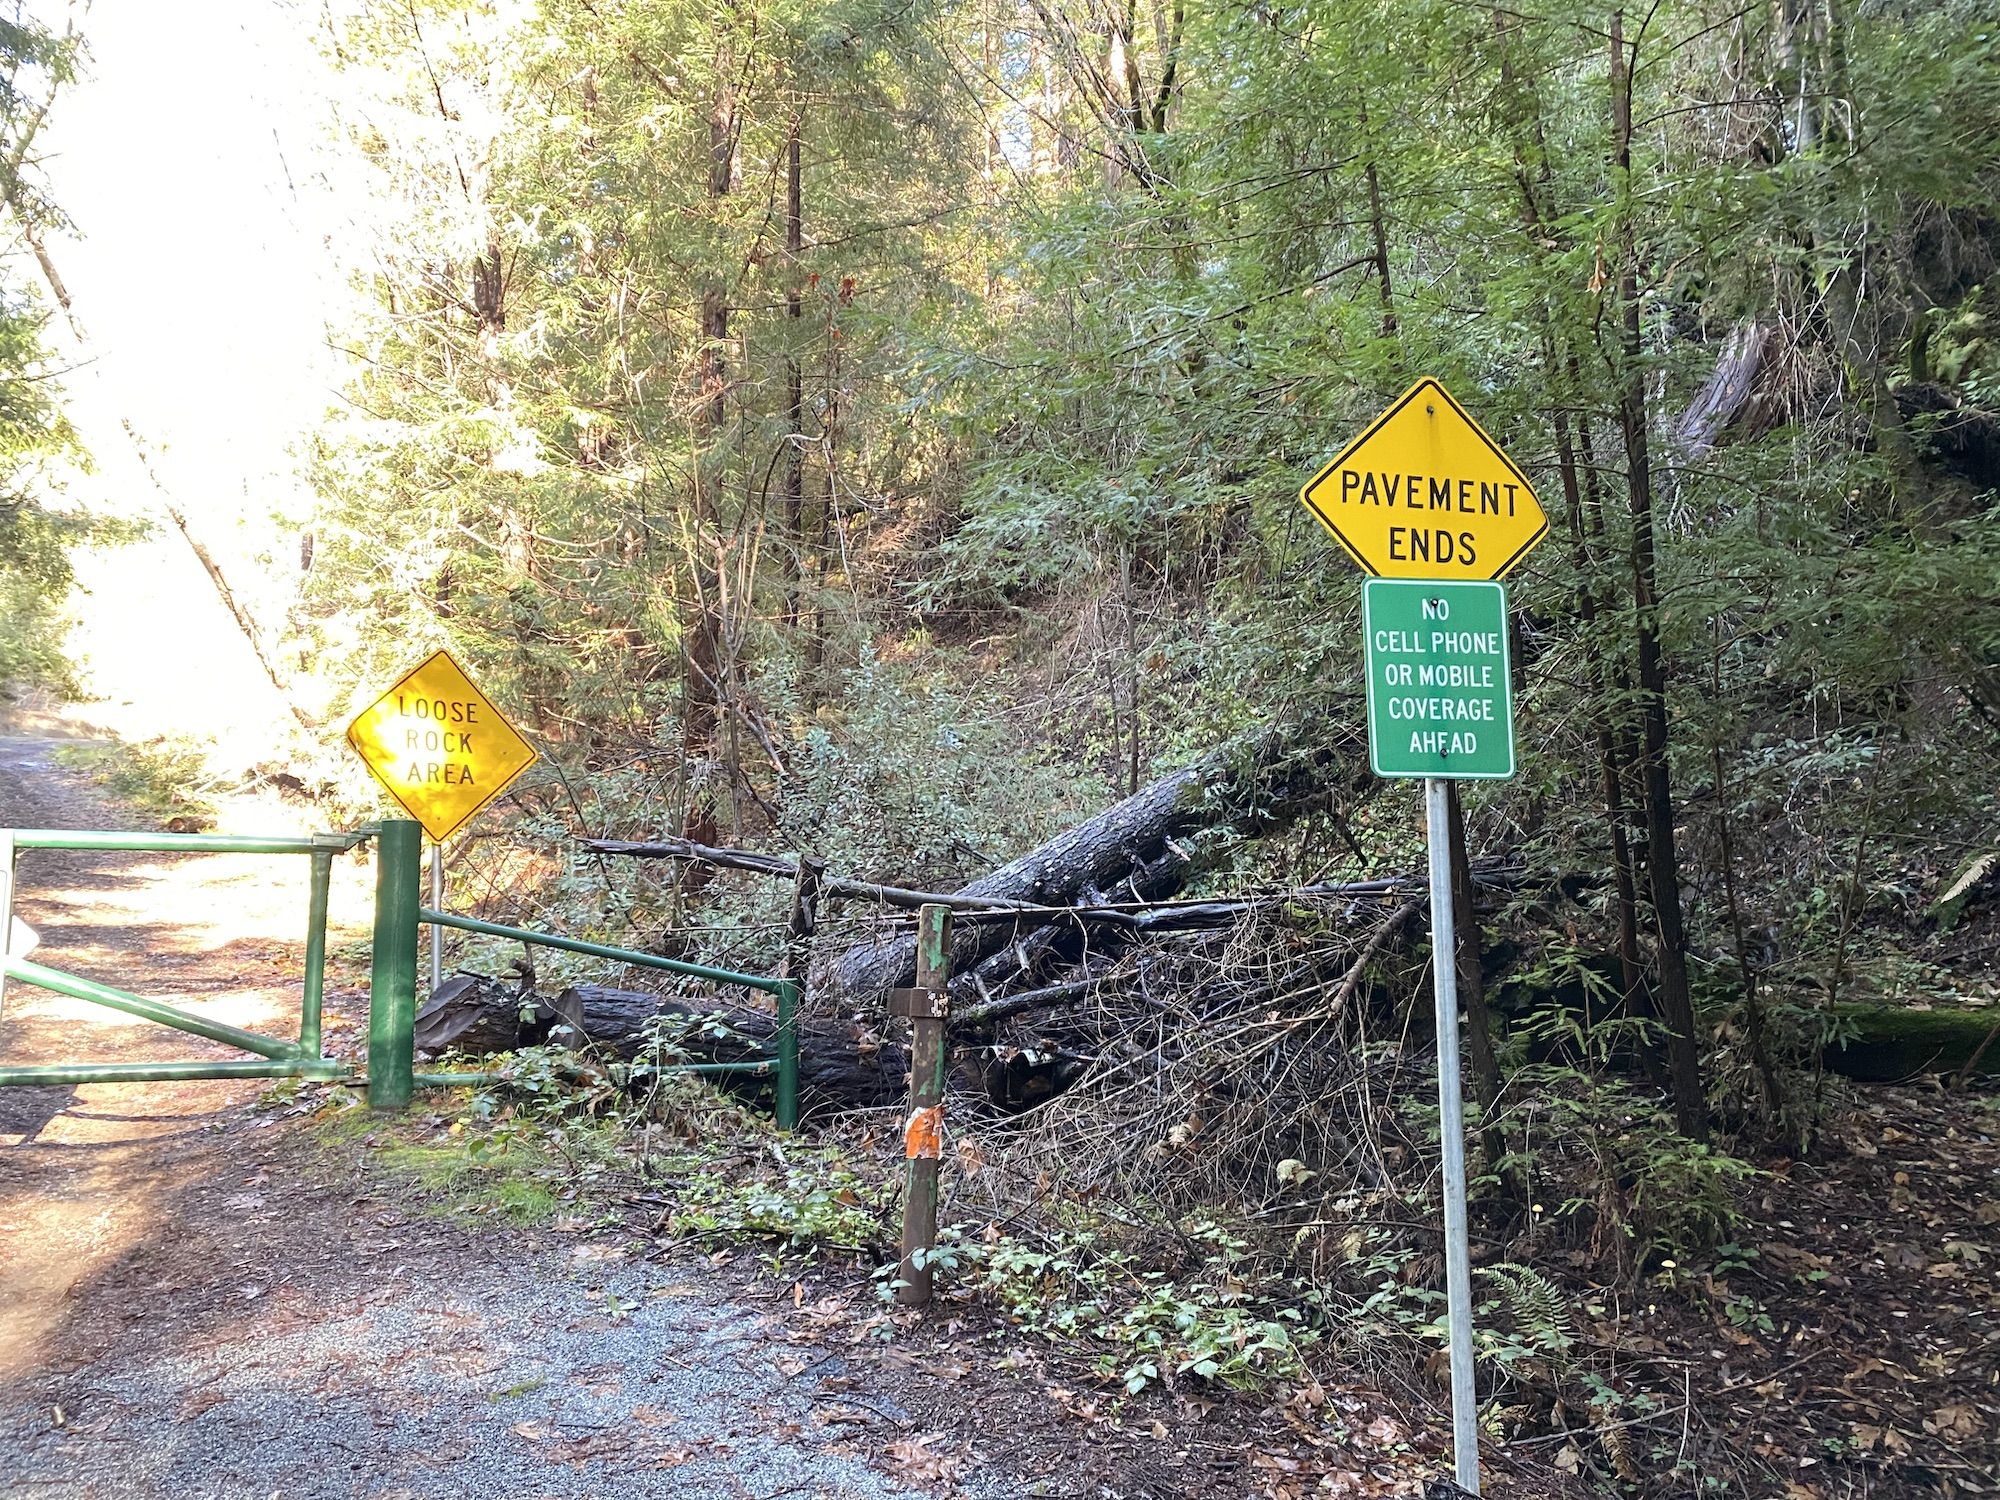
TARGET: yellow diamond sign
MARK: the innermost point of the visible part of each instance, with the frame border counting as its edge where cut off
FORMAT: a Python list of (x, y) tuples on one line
[(439, 745), (1425, 493)]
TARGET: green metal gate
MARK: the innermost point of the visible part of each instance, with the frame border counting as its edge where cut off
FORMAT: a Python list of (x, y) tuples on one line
[(274, 1057), (391, 1075)]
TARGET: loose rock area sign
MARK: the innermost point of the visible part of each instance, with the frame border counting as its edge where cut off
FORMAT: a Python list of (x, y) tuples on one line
[(1440, 695), (439, 745)]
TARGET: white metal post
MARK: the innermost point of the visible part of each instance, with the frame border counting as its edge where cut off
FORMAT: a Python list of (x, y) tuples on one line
[(437, 904), (1451, 1127)]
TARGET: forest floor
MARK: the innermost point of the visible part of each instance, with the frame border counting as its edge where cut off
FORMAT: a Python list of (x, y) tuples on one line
[(204, 1291), (204, 1295), (196, 1300)]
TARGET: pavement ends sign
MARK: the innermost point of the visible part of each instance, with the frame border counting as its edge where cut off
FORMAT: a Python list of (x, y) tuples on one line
[(439, 745), (1425, 493)]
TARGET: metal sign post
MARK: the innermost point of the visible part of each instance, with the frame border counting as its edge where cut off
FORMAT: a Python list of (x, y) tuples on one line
[(1451, 1130), (1441, 706), (929, 1008)]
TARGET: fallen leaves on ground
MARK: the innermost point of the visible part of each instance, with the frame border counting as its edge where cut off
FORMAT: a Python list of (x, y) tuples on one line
[(929, 1459)]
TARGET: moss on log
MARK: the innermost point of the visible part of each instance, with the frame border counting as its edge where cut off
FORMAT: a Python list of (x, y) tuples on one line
[(1887, 1042)]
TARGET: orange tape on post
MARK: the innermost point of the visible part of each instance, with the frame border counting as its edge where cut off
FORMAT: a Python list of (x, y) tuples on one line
[(923, 1136)]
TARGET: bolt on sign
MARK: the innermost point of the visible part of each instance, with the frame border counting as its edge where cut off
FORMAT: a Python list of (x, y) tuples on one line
[(1440, 695), (439, 745), (1425, 493)]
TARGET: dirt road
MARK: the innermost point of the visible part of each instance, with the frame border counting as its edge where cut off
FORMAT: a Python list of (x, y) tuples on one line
[(193, 1304)]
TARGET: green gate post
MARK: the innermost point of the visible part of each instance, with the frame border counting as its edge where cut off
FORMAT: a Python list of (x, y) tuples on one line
[(313, 997), (788, 1056), (392, 984)]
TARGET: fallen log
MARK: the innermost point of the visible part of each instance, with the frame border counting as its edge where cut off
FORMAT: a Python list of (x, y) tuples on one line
[(478, 1014), (1895, 1043), (1260, 782), (979, 1019), (611, 1020), (842, 1064)]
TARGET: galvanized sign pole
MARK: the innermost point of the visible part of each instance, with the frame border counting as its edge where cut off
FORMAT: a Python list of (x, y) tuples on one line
[(1451, 1129), (1441, 706)]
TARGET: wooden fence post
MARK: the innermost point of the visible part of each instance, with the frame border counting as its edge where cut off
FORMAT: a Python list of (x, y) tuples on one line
[(929, 1010), (804, 919)]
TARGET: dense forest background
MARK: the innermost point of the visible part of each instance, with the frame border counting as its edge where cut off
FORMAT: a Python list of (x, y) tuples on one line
[(874, 432)]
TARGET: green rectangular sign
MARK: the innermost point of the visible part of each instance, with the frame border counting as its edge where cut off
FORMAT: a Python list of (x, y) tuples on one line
[(1440, 695)]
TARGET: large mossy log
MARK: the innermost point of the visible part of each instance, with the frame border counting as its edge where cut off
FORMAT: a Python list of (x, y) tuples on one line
[(1873, 1043), (1888, 1043), (1133, 851)]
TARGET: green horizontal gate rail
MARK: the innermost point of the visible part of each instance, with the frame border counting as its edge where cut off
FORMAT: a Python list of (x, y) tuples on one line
[(392, 987), (392, 1010), (274, 1056)]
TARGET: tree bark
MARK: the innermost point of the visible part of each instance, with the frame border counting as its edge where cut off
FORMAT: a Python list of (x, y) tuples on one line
[(1612, 686), (795, 381), (842, 1064), (701, 687), (1378, 230), (1662, 858), (1472, 991)]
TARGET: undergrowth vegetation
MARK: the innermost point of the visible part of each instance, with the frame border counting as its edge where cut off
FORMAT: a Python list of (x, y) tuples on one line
[(1605, 1232)]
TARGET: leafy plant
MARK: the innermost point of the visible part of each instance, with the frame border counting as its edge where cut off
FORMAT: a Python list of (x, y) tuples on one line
[(1217, 1323)]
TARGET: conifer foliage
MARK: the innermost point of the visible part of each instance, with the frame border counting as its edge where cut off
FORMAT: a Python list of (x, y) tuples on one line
[(740, 371)]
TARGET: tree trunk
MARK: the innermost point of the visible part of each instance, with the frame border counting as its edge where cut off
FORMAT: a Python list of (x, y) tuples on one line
[(701, 688), (795, 387), (1472, 991), (1378, 230), (477, 1014), (842, 1064), (1611, 686), (1662, 858)]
